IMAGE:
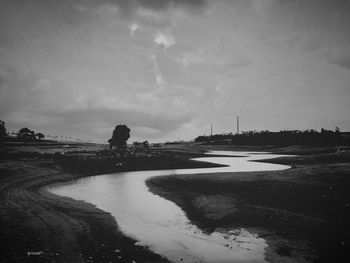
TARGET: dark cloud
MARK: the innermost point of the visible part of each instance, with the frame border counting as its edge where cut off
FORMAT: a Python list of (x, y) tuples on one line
[(33, 18), (66, 12), (343, 62), (23, 20), (340, 56)]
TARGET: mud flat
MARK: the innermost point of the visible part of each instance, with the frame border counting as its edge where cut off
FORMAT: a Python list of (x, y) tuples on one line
[(302, 213), (36, 226), (39, 227)]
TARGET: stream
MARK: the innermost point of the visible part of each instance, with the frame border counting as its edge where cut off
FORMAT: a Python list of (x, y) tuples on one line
[(161, 225)]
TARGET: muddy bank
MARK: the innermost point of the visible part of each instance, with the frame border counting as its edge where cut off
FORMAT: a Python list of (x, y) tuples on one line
[(37, 226), (303, 212)]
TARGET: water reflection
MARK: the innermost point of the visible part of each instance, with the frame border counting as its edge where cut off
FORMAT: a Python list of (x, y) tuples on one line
[(163, 226)]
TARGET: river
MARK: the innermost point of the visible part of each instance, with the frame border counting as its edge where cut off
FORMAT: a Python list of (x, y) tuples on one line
[(163, 226)]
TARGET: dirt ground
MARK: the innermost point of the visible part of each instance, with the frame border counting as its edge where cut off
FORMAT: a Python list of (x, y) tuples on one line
[(36, 226), (303, 212)]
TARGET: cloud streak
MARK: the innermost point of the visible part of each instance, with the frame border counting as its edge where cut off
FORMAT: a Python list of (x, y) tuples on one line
[(165, 40), (133, 28), (158, 74), (341, 56)]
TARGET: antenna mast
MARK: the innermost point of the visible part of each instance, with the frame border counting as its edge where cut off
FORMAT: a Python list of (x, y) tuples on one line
[(237, 124)]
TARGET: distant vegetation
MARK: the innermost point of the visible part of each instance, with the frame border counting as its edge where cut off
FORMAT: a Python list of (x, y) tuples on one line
[(280, 138), (24, 134), (40, 136), (141, 145)]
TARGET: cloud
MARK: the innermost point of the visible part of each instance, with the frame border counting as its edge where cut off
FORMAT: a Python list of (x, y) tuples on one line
[(221, 96), (166, 40), (93, 120), (75, 61), (159, 78), (147, 13), (15, 90), (130, 6), (190, 58), (133, 28), (260, 6), (341, 56)]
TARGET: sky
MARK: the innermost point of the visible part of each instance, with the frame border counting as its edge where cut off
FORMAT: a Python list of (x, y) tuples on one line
[(169, 68)]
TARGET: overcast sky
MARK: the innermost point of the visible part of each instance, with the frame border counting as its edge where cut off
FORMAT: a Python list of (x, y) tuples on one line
[(167, 69)]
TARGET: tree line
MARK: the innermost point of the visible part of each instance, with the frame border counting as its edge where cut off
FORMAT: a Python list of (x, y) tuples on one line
[(120, 136), (24, 134), (280, 138)]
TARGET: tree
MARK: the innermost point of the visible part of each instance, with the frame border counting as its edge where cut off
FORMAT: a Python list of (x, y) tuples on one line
[(25, 130), (25, 133), (145, 144), (40, 136), (2, 130), (120, 136)]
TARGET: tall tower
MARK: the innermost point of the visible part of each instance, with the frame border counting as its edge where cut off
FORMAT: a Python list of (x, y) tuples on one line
[(211, 129), (237, 124)]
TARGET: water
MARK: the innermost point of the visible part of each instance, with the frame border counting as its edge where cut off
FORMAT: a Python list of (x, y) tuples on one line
[(160, 224)]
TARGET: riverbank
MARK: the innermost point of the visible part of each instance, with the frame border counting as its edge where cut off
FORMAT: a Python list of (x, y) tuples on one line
[(37, 226), (303, 212)]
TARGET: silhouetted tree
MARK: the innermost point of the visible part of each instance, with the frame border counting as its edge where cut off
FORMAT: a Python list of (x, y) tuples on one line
[(145, 144), (120, 136), (2, 130), (25, 130), (40, 136), (25, 133), (136, 145)]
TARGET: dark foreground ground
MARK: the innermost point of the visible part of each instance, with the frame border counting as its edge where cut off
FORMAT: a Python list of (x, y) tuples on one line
[(36, 226), (302, 212)]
